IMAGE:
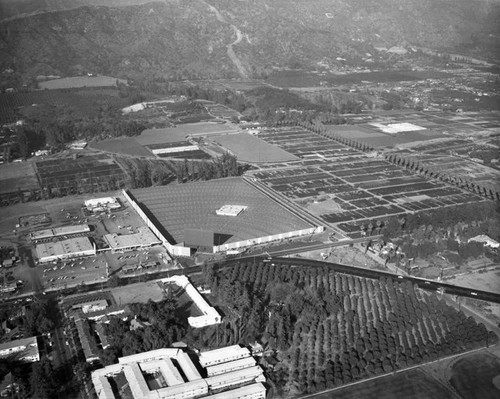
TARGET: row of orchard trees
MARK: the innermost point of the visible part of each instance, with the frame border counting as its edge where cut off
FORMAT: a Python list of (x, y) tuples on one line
[(430, 171), (330, 329), (320, 129)]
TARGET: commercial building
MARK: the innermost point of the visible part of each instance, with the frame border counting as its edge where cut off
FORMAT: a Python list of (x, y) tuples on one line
[(60, 231), (102, 204), (22, 349), (121, 243), (91, 306), (209, 315), (66, 249), (171, 374)]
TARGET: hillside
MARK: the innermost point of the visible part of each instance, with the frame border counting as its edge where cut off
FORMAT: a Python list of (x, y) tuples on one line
[(227, 38)]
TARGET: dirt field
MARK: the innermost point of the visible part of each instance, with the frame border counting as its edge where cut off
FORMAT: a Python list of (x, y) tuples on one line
[(352, 256), (128, 146), (141, 292), (252, 149)]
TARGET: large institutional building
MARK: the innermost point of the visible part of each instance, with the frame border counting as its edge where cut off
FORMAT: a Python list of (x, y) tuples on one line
[(171, 374)]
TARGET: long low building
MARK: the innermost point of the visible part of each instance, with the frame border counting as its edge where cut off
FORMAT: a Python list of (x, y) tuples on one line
[(25, 349), (209, 315), (171, 374), (144, 238), (60, 231), (66, 249), (223, 355)]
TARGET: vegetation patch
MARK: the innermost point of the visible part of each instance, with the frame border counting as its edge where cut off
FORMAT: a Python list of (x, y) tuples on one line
[(325, 329)]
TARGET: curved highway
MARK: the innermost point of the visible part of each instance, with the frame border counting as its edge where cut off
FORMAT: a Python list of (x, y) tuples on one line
[(429, 285)]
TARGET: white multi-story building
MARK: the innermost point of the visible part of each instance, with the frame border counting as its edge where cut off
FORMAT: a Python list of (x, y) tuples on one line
[(171, 374)]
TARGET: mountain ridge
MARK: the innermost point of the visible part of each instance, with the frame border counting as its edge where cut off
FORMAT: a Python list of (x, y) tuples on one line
[(185, 39)]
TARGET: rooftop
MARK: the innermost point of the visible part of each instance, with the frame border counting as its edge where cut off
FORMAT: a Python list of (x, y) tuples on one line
[(143, 237), (194, 205), (65, 247)]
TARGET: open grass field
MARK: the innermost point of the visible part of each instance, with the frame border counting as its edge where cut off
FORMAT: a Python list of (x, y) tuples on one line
[(298, 78), (140, 292), (84, 102), (248, 148), (412, 384), (472, 376), (18, 175), (179, 133), (79, 81), (124, 145), (193, 205)]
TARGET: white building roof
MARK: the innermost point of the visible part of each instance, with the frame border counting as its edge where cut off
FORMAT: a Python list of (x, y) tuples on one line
[(60, 231), (210, 315), (187, 366), (70, 247), (144, 237), (252, 391), (221, 355), (135, 367), (231, 210), (26, 348), (486, 240), (222, 368), (234, 377)]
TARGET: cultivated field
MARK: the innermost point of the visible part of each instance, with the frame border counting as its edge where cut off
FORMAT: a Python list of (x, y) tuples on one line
[(124, 145), (73, 175), (179, 133), (248, 148), (80, 81), (349, 186), (411, 384), (17, 176)]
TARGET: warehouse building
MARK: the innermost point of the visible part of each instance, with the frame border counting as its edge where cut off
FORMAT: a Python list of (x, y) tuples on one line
[(171, 374), (217, 216), (66, 249)]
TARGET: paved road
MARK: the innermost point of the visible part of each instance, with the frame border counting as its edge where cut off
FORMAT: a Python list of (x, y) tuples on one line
[(428, 285)]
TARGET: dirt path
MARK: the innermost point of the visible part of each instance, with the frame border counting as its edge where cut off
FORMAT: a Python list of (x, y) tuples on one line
[(239, 36)]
